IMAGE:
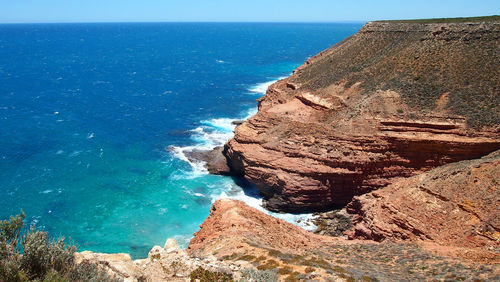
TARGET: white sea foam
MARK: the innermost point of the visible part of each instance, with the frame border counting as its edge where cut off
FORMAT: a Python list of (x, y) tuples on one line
[(251, 112), (74, 154), (223, 124), (213, 133), (216, 132), (183, 240), (162, 211), (197, 167), (209, 137), (261, 88), (253, 200)]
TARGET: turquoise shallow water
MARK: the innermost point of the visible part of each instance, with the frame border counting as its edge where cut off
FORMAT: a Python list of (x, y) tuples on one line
[(95, 118)]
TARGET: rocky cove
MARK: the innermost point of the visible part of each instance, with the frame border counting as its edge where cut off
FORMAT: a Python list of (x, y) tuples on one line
[(398, 127)]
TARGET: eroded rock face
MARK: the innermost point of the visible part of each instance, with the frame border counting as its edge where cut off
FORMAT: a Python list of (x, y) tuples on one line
[(236, 221), (237, 233), (236, 237), (119, 266), (392, 101), (453, 205)]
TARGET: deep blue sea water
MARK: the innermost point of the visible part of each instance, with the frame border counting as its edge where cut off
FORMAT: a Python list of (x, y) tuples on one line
[(88, 113)]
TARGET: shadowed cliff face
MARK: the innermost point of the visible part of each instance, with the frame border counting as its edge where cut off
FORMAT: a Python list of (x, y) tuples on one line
[(392, 101)]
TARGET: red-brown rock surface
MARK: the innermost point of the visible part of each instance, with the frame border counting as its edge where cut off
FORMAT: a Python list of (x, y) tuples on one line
[(235, 233), (454, 205), (235, 220), (236, 237), (392, 101)]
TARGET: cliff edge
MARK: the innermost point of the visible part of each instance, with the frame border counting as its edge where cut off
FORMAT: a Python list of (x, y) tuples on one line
[(247, 244), (392, 101), (455, 205)]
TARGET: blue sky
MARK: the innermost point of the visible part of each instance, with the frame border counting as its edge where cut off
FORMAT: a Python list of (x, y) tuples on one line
[(237, 10)]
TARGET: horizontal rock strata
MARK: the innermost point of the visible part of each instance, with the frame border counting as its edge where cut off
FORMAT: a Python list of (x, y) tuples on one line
[(392, 101), (235, 232), (453, 205)]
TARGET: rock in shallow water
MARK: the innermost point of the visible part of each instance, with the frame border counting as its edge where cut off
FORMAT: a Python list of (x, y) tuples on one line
[(215, 160)]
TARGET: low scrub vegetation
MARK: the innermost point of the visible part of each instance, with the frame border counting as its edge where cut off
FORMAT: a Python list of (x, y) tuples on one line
[(254, 275), (33, 256), (450, 20), (204, 275)]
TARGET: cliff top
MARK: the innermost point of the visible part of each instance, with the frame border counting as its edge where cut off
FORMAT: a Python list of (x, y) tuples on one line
[(436, 64), (448, 20)]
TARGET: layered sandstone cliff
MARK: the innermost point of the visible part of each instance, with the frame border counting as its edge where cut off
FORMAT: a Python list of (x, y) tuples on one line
[(392, 101), (456, 205), (236, 233)]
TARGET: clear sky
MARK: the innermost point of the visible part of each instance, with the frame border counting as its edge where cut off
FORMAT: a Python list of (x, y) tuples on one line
[(237, 10)]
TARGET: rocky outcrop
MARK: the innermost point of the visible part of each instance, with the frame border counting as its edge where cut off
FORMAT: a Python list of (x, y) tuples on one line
[(454, 205), (240, 223), (214, 160), (118, 266), (392, 101), (236, 238), (169, 263), (237, 233)]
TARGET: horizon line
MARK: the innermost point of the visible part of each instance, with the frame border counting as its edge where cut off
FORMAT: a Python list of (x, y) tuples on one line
[(111, 22), (231, 21)]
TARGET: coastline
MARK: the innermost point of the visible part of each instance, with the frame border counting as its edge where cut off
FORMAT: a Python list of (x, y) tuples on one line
[(417, 191), (87, 159), (403, 230), (216, 132)]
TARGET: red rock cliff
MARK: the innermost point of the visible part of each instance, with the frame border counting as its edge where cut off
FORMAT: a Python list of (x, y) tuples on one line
[(392, 101), (454, 205)]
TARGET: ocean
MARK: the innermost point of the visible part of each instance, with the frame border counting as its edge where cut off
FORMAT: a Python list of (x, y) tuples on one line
[(95, 120)]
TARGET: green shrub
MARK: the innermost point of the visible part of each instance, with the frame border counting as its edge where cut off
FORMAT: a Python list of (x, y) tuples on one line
[(204, 275), (268, 265), (41, 259), (87, 271), (40, 255), (253, 275), (309, 269)]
